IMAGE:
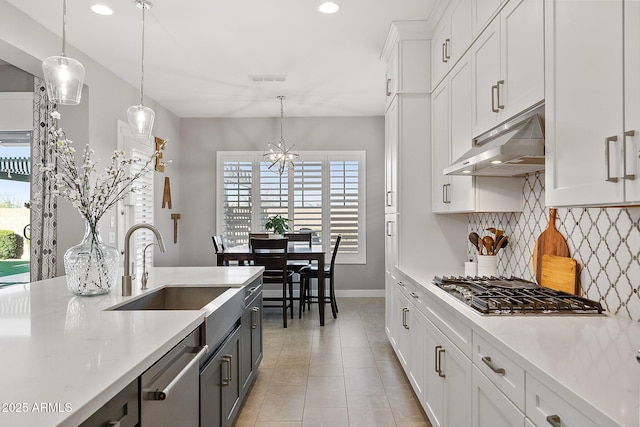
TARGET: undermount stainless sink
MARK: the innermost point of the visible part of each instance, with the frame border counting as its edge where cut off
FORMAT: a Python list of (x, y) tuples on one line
[(174, 298)]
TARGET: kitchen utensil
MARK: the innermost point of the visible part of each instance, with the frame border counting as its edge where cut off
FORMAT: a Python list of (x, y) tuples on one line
[(498, 235), (559, 273), (501, 243), (550, 242), (491, 230), (488, 243), (474, 238)]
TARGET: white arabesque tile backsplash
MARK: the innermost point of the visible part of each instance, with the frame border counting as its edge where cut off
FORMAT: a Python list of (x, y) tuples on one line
[(604, 241)]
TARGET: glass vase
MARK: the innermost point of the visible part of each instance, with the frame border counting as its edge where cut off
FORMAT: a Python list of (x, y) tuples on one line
[(91, 266)]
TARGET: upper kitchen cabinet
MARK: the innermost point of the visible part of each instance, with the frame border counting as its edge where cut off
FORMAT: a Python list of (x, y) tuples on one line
[(482, 12), (508, 64), (593, 103), (406, 53), (451, 38), (451, 138)]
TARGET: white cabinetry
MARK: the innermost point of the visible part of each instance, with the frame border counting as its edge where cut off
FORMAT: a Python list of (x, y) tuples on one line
[(451, 138), (447, 397), (508, 64), (491, 408), (600, 126), (544, 407), (451, 38), (390, 261), (391, 157), (482, 12), (407, 56)]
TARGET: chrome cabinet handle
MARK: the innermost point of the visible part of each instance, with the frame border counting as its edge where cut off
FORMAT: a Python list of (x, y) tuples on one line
[(500, 82), (436, 358), (448, 199), (227, 358), (444, 193), (446, 50), (440, 352), (254, 317), (444, 55), (163, 394), (388, 198), (607, 143), (625, 175), (389, 228), (404, 318), (414, 295), (554, 420), (487, 361), (388, 87), (494, 89)]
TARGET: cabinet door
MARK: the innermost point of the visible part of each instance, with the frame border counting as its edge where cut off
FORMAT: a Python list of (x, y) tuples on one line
[(632, 97), (391, 156), (401, 333), (583, 108), (461, 191), (522, 38), (232, 393), (460, 29), (434, 391), (490, 408), (391, 75), (439, 60), (440, 147), (482, 11), (256, 334), (486, 74), (457, 385), (416, 323)]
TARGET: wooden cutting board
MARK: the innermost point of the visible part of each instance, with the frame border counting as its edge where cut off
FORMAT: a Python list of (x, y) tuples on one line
[(559, 273), (550, 242)]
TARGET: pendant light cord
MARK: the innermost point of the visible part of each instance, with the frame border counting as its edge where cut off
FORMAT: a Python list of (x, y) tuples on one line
[(64, 26), (144, 6)]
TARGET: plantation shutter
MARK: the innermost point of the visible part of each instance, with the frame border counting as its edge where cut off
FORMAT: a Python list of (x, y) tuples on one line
[(307, 197), (274, 195), (344, 205), (237, 202)]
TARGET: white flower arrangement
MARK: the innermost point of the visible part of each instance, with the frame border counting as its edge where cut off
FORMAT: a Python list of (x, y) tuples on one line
[(91, 193)]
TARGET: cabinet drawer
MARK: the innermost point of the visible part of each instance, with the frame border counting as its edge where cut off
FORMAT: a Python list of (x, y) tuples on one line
[(501, 370), (458, 332), (545, 408), (122, 409)]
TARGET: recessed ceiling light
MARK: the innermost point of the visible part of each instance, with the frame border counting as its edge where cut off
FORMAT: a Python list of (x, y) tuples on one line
[(496, 162), (102, 9), (328, 7), (466, 171)]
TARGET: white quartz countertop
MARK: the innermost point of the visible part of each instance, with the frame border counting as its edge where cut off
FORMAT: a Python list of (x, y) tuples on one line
[(588, 360), (63, 356)]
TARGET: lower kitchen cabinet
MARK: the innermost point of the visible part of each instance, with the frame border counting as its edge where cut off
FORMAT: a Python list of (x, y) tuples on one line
[(220, 388), (447, 394), (251, 354), (491, 408), (122, 410), (544, 407)]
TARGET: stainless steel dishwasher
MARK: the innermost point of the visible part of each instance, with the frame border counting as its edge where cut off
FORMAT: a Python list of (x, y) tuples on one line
[(170, 388)]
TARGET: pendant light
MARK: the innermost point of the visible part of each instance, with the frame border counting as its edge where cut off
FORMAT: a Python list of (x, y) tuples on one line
[(277, 156), (140, 117), (63, 76)]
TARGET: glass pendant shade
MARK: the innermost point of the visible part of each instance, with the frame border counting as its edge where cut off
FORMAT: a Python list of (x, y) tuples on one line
[(140, 120)]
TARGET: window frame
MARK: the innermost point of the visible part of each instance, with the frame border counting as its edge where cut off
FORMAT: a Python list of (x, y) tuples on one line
[(326, 158)]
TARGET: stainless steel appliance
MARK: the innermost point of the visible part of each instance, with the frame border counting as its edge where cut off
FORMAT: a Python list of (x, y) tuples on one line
[(509, 296)]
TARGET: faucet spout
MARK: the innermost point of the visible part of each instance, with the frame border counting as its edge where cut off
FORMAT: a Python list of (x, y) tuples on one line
[(126, 278)]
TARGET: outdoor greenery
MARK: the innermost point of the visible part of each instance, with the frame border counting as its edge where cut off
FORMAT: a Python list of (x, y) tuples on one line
[(278, 224), (11, 245)]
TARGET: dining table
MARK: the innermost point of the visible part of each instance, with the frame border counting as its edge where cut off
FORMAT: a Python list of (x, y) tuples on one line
[(295, 252)]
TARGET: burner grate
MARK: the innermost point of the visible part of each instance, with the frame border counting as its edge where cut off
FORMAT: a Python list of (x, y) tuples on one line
[(500, 295)]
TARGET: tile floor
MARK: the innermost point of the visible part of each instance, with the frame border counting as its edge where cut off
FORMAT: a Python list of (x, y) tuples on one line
[(342, 374)]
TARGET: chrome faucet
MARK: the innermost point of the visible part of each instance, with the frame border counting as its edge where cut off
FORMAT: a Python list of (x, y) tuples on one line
[(126, 278), (145, 274)]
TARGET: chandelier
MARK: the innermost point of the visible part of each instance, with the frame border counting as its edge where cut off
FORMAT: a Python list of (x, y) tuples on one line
[(278, 156)]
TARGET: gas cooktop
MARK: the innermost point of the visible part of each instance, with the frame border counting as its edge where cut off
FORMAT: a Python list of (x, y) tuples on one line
[(515, 296)]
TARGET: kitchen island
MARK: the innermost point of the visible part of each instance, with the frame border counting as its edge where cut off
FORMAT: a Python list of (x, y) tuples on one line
[(63, 357)]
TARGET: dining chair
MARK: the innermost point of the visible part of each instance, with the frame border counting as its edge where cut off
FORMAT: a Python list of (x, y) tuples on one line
[(272, 254), (258, 236), (218, 243), (299, 239), (311, 272)]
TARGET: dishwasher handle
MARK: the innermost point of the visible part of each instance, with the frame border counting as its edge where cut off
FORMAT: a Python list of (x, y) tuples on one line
[(164, 393)]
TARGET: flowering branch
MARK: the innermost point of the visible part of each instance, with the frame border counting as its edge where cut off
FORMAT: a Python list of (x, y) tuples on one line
[(91, 193)]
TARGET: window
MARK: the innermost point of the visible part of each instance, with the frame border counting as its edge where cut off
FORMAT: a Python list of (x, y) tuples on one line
[(325, 193)]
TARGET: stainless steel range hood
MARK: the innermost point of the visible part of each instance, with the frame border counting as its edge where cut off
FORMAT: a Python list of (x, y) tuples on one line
[(514, 148)]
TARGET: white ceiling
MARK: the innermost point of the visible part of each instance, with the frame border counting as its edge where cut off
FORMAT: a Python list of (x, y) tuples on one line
[(199, 54)]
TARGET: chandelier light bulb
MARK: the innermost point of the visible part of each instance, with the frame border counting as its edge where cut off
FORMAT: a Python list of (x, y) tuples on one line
[(328, 7)]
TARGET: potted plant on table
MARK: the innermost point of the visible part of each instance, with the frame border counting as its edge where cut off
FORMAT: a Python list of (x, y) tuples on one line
[(278, 224)]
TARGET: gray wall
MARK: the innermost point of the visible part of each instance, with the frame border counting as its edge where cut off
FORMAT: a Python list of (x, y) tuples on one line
[(13, 79), (202, 138), (24, 43)]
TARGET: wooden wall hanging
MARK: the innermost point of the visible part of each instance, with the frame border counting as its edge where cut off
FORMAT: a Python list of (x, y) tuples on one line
[(166, 194), (159, 166), (175, 217)]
